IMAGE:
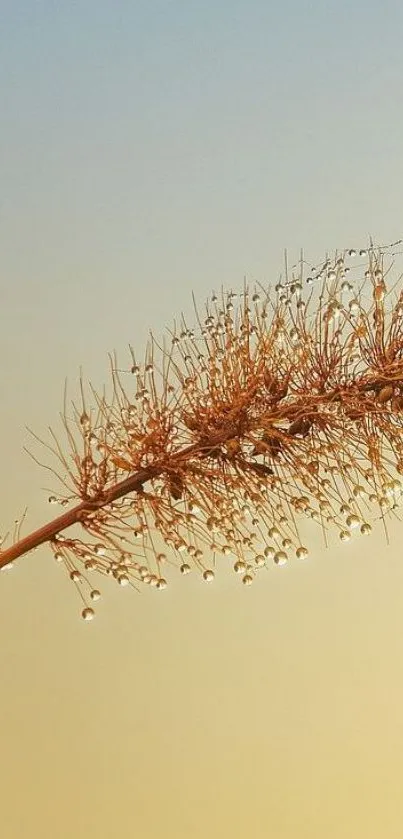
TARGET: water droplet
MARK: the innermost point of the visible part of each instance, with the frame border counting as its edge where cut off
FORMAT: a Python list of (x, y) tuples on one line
[(240, 566), (208, 575), (88, 614), (89, 564), (185, 568), (352, 521), (247, 579), (161, 583)]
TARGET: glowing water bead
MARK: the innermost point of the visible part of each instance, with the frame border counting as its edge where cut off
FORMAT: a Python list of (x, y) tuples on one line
[(99, 550), (75, 576), (208, 575), (352, 521), (161, 583), (365, 528), (240, 566), (269, 552), (88, 614), (123, 580), (344, 535), (280, 558), (90, 564), (301, 552), (260, 560), (247, 579), (185, 568), (95, 594)]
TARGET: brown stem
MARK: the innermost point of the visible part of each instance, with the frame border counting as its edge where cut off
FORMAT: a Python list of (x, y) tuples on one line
[(134, 483)]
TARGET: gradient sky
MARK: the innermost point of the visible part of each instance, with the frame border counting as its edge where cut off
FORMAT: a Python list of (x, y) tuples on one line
[(149, 150)]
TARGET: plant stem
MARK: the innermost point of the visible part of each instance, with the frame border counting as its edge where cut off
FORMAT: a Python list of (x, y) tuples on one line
[(134, 483)]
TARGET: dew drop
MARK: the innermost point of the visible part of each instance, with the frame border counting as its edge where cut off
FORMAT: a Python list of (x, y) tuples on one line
[(161, 583), (88, 614), (365, 528), (240, 566)]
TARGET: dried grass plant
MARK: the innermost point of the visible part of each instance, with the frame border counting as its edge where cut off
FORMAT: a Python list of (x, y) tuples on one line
[(278, 405)]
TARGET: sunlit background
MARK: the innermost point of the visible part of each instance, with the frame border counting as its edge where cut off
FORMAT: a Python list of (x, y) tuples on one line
[(148, 150)]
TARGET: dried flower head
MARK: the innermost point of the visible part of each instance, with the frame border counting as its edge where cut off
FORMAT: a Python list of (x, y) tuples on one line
[(274, 408)]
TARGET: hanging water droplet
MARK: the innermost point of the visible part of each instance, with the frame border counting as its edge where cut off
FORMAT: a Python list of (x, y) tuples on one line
[(88, 614), (208, 575), (240, 566), (366, 528), (161, 583), (352, 521)]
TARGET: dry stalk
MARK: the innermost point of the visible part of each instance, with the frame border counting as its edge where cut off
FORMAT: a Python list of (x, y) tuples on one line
[(276, 407)]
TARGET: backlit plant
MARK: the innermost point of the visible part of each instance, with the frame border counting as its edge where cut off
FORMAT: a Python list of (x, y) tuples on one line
[(275, 406)]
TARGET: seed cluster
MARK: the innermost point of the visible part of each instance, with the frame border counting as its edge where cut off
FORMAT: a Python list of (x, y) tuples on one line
[(276, 406)]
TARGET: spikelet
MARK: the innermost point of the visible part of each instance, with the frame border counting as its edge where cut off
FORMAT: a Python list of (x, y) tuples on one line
[(278, 406)]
